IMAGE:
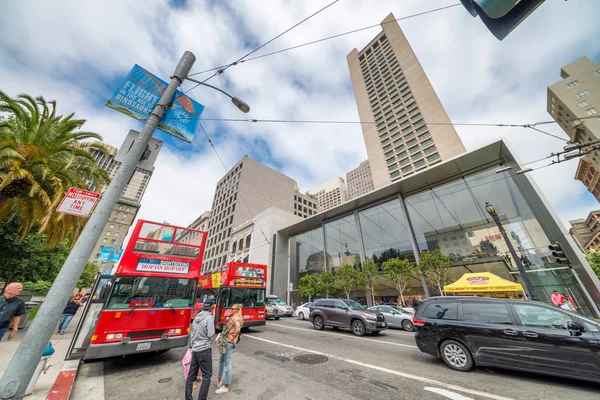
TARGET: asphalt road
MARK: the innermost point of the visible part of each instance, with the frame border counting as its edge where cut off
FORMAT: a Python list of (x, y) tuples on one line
[(387, 366)]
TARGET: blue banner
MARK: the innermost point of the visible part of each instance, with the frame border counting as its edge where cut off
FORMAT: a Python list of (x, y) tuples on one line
[(110, 253), (115, 255), (139, 94)]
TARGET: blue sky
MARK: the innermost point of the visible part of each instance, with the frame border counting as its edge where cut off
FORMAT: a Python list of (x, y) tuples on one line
[(79, 52)]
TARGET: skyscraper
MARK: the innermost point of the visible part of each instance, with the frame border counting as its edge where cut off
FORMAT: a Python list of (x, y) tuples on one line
[(359, 181), (329, 194), (396, 102), (247, 189), (577, 96), (127, 207)]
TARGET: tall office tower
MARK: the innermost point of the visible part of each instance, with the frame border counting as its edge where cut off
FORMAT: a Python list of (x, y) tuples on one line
[(392, 90), (126, 209), (359, 181), (247, 189), (329, 194), (574, 102)]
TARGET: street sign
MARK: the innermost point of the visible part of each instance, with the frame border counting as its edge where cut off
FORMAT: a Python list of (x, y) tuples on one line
[(141, 91), (78, 202)]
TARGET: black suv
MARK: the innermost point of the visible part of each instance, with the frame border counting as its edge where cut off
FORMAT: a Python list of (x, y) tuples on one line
[(348, 314), (514, 334)]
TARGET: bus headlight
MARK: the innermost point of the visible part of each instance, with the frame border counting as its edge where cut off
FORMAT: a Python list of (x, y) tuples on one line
[(113, 336), (175, 331)]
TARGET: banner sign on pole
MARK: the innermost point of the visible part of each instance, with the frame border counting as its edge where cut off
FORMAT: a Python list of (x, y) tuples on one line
[(104, 253), (141, 91), (78, 202), (110, 253)]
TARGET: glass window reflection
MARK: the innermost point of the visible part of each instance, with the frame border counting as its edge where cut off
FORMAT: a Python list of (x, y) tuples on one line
[(341, 242), (385, 233), (310, 251)]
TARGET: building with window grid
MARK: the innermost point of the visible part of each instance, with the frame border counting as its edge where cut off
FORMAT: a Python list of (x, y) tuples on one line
[(359, 181), (329, 194), (576, 96), (246, 190), (396, 103)]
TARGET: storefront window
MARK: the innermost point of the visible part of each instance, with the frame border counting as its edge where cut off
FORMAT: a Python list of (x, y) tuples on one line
[(342, 244), (385, 232), (309, 251)]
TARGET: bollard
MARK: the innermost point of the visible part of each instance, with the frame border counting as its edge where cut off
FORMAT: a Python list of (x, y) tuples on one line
[(42, 366)]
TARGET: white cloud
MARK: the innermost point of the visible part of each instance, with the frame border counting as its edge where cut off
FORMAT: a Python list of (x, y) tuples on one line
[(76, 52)]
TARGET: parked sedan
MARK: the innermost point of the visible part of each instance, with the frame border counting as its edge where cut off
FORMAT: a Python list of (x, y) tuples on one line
[(303, 311), (514, 334), (272, 312), (396, 317)]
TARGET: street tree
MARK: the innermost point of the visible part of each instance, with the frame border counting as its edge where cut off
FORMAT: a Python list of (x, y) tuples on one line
[(594, 260), (309, 286), (86, 280), (435, 267), (399, 272), (348, 279), (370, 276), (326, 284), (42, 155)]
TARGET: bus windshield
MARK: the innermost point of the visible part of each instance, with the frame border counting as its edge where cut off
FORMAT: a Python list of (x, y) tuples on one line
[(146, 292), (248, 298)]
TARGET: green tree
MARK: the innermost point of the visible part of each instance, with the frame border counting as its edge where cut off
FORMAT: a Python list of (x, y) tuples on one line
[(27, 258), (42, 155), (399, 272), (594, 260), (86, 280), (348, 279), (326, 284), (42, 287), (370, 275), (435, 267), (309, 286)]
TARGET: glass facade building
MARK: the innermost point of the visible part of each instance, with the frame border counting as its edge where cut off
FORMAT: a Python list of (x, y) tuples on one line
[(442, 208)]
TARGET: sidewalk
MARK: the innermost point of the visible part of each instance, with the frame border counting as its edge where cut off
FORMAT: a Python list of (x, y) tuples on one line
[(59, 342)]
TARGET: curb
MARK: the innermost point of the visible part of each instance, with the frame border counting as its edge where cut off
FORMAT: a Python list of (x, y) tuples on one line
[(61, 389)]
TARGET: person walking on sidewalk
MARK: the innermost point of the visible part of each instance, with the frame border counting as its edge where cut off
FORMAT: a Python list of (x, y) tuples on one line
[(227, 341), (68, 314), (203, 330), (12, 309)]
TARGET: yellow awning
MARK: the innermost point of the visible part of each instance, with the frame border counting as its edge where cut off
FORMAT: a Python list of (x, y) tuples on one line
[(482, 282)]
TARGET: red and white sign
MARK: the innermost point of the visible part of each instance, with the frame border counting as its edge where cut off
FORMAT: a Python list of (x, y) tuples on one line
[(78, 202)]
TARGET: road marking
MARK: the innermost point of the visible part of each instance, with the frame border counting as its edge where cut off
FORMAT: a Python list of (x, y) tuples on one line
[(447, 393), (348, 336), (387, 370)]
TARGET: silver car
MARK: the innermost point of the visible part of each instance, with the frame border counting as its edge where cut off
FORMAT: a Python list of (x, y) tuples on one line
[(396, 317)]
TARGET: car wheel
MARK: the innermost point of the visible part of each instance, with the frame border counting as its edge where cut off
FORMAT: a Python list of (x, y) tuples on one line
[(456, 356), (318, 323), (301, 315), (408, 325), (358, 327)]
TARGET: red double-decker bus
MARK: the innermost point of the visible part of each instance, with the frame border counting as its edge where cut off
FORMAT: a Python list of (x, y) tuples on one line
[(147, 305), (237, 282)]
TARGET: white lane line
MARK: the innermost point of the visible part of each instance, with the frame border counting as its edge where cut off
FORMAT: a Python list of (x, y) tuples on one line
[(388, 371), (447, 393), (348, 336)]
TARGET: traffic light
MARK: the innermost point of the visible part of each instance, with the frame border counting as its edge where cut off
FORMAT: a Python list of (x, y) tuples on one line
[(501, 16), (558, 252)]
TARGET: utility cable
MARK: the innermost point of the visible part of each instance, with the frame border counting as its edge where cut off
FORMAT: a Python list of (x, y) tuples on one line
[(325, 39), (224, 68)]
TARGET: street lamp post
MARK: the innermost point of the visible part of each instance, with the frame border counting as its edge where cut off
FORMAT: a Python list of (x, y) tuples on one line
[(494, 214), (243, 107)]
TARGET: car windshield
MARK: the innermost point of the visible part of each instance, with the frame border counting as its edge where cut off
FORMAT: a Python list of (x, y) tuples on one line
[(280, 303), (145, 292), (354, 305)]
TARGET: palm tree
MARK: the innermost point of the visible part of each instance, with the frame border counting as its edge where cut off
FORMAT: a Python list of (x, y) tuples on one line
[(42, 155)]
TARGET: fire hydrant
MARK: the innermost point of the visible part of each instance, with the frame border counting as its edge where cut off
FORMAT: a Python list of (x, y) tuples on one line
[(43, 365)]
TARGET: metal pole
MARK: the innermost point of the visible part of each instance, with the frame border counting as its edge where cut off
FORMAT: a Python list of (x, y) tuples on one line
[(513, 253), (28, 354)]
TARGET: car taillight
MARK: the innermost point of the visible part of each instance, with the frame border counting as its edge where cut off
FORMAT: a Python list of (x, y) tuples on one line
[(418, 322)]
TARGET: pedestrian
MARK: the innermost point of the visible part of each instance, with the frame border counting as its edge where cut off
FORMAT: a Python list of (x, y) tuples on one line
[(567, 303), (557, 299), (68, 314), (203, 330), (227, 341), (12, 309)]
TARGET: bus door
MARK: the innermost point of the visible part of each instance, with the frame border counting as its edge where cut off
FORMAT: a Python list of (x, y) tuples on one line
[(222, 301), (91, 311)]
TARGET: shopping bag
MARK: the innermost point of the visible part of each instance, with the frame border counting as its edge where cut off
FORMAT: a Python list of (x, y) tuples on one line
[(187, 359)]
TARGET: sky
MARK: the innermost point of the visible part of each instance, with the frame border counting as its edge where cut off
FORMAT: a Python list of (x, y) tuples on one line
[(78, 53)]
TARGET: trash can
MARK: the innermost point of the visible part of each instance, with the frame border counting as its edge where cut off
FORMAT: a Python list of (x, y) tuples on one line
[(42, 366)]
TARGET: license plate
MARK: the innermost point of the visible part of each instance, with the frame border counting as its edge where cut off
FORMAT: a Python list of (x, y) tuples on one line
[(142, 346)]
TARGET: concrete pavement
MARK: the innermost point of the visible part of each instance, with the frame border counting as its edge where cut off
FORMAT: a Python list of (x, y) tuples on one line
[(288, 359)]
